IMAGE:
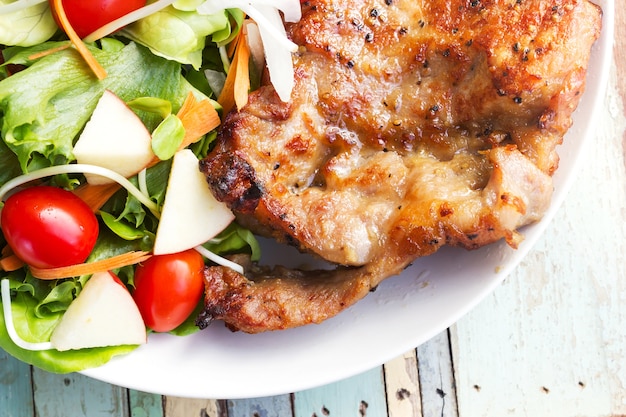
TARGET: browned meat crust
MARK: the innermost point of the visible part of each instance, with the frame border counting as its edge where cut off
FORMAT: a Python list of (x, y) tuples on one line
[(275, 299), (413, 124)]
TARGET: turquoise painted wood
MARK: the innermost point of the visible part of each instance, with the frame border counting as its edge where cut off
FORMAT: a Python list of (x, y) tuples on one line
[(359, 396), (436, 376), (142, 404), (276, 406), (77, 396), (16, 392)]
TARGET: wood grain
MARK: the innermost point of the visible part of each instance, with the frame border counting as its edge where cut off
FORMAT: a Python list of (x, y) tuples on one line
[(76, 395), (279, 405), (142, 404), (619, 51), (402, 386), (361, 395), (176, 406), (16, 392), (437, 379)]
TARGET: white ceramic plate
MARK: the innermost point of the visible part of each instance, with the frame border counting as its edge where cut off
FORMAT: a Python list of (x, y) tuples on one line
[(404, 312)]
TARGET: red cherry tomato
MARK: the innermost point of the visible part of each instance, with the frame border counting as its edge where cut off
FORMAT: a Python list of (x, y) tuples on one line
[(168, 288), (86, 16), (49, 227)]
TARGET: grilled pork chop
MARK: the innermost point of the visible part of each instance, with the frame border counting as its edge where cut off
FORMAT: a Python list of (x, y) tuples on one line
[(413, 124)]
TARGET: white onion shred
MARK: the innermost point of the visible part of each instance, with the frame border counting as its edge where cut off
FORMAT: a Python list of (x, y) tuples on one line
[(80, 169), (277, 58), (291, 9), (218, 259), (255, 43), (276, 45), (224, 57), (142, 182), (8, 322)]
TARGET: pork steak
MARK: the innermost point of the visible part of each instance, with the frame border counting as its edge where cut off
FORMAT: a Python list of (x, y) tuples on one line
[(413, 124)]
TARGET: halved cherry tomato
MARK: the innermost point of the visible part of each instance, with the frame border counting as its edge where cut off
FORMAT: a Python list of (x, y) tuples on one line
[(168, 288), (49, 227), (86, 16)]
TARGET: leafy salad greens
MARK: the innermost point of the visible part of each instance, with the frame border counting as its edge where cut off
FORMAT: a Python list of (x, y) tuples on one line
[(46, 98)]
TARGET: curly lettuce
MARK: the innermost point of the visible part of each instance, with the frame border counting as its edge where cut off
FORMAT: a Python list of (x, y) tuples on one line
[(180, 35), (26, 26), (46, 105)]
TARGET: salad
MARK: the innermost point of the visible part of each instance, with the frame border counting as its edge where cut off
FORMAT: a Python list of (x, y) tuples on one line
[(104, 114)]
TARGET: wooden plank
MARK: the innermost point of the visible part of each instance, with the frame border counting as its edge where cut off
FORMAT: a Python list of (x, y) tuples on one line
[(358, 396), (274, 406), (142, 404), (620, 53), (551, 341), (16, 392), (183, 407), (436, 377), (77, 396), (402, 386)]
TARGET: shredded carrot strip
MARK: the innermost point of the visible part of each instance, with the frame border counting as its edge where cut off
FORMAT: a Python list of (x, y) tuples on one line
[(11, 263), (237, 84), (189, 103), (96, 195), (227, 96), (129, 258), (91, 61), (232, 46), (242, 73), (198, 118), (48, 52)]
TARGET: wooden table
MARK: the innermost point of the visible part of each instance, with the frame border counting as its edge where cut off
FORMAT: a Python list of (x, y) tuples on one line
[(550, 341)]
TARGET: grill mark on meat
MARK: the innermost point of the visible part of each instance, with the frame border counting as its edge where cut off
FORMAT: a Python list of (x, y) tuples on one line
[(233, 182), (413, 124)]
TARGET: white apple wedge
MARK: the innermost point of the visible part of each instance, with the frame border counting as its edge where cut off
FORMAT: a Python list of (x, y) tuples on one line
[(114, 138), (191, 215), (103, 314)]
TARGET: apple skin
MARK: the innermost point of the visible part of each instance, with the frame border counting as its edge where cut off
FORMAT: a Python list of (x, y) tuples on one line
[(103, 314), (114, 138), (191, 215)]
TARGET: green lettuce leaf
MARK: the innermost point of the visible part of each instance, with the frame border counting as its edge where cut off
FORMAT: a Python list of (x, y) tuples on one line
[(188, 5), (121, 227), (46, 105), (167, 137), (235, 239), (153, 105), (177, 34), (9, 163), (224, 36), (26, 27)]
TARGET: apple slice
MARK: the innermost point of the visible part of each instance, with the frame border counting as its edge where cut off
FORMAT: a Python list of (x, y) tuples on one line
[(103, 314), (114, 138), (191, 215)]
